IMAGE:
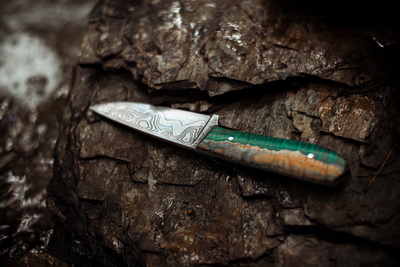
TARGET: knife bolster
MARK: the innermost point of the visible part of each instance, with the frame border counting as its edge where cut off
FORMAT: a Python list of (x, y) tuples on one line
[(288, 157)]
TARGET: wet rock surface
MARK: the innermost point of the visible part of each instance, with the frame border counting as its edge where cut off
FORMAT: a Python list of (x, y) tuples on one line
[(122, 198)]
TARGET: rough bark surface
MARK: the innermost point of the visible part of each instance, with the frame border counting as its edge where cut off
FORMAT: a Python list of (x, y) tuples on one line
[(123, 198)]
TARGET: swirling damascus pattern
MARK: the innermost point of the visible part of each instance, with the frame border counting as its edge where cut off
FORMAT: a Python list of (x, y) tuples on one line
[(177, 126)]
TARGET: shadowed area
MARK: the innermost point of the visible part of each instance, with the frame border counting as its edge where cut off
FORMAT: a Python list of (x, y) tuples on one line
[(320, 72)]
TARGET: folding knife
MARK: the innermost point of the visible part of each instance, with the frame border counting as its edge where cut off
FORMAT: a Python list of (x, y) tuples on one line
[(201, 133)]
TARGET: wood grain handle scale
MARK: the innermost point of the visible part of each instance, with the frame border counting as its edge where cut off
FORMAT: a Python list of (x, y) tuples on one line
[(292, 158)]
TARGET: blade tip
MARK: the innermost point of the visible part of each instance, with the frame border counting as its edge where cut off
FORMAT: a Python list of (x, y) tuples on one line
[(95, 106)]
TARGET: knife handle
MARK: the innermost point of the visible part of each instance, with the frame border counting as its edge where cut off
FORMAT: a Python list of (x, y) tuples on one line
[(292, 158)]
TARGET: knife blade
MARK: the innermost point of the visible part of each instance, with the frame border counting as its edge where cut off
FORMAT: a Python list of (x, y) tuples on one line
[(202, 133)]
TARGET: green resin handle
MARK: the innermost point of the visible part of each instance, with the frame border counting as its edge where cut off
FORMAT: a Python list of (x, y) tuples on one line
[(301, 160)]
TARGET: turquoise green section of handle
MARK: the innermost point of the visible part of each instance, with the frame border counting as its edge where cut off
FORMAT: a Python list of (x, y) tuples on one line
[(297, 159)]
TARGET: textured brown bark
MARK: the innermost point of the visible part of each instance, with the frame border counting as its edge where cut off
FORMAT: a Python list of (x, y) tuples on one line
[(123, 198)]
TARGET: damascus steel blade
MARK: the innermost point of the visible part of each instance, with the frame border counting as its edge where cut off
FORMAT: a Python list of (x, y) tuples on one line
[(180, 127)]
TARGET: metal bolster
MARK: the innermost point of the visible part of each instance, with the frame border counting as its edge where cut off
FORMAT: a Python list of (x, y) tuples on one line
[(212, 122)]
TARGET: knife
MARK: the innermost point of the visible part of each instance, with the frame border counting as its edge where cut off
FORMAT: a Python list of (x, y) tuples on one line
[(201, 133)]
